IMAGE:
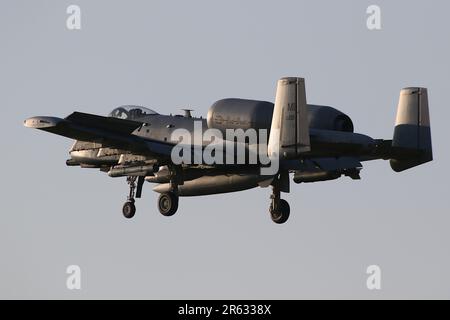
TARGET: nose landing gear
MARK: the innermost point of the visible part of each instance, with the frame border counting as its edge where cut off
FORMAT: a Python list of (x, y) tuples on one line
[(168, 203)]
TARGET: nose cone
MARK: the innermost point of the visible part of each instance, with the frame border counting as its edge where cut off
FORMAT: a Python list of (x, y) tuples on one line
[(41, 122)]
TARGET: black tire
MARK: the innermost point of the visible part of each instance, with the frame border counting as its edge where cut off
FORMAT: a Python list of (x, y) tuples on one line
[(168, 204), (282, 214), (129, 209)]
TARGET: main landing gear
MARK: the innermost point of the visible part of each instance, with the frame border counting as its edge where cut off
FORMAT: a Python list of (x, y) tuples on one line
[(167, 202), (129, 209), (279, 208)]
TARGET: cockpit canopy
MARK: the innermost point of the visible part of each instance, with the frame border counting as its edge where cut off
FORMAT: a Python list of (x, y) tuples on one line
[(131, 112)]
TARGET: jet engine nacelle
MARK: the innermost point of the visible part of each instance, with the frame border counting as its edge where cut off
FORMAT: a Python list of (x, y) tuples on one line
[(328, 118), (240, 114), (244, 114)]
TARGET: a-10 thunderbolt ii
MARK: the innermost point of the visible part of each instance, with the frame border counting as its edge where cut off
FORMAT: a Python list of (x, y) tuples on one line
[(188, 156)]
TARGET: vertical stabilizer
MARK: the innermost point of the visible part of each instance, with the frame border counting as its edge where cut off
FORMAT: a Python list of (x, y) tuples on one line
[(412, 134), (289, 132)]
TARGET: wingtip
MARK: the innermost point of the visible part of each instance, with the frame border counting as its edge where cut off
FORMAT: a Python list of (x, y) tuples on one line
[(41, 122)]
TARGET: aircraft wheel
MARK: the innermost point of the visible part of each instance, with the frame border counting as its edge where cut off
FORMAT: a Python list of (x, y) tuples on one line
[(129, 209), (168, 204), (282, 214)]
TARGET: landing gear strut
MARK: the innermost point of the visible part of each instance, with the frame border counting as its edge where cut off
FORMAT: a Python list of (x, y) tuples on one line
[(279, 208), (129, 209)]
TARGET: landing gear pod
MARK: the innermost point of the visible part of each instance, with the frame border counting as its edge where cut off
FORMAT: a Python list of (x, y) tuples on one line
[(412, 134)]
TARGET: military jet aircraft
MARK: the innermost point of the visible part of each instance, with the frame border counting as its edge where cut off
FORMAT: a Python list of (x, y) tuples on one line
[(309, 142)]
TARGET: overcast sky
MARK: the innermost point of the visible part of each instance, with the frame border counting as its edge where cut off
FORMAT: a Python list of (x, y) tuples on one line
[(169, 55)]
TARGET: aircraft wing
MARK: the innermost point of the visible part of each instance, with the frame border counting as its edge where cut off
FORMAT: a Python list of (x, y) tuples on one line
[(113, 132)]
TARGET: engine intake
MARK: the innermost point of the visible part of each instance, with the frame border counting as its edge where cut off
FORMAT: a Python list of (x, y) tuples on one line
[(240, 114), (328, 118)]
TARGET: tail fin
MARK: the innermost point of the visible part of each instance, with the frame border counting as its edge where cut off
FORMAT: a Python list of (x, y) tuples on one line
[(289, 132), (412, 135)]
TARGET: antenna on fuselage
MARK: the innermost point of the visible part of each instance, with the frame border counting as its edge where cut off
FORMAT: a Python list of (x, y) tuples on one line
[(187, 113)]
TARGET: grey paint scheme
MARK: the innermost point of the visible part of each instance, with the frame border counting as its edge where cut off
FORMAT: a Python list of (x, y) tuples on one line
[(235, 113), (412, 128), (219, 183), (243, 114), (335, 149)]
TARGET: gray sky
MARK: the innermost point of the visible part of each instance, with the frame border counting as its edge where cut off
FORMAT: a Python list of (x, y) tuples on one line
[(171, 54)]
